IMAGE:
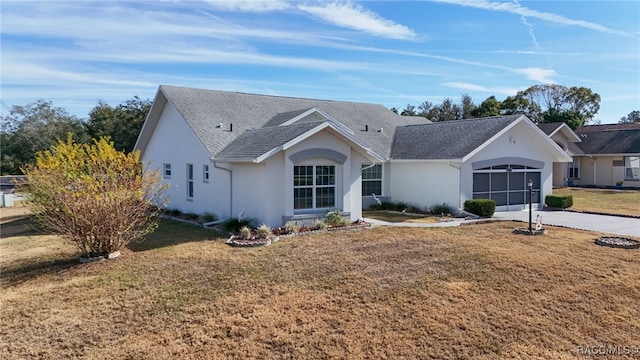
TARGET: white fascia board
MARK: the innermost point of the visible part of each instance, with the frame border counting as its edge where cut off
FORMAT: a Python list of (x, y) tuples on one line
[(365, 150), (620, 154), (568, 132), (151, 121), (494, 137), (233, 160), (564, 157), (426, 160)]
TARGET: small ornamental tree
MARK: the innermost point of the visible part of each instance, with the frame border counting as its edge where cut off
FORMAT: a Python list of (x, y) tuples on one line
[(98, 197)]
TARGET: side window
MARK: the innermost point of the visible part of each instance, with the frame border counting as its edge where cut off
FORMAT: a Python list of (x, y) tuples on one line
[(166, 171), (189, 181), (371, 180), (205, 173)]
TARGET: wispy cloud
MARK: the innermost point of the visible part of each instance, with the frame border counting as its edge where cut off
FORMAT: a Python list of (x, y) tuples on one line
[(545, 76), (353, 16), (515, 8), (248, 5), (480, 88)]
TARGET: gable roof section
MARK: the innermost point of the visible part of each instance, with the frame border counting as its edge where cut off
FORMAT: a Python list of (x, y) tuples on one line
[(253, 144), (553, 128), (610, 139), (259, 144), (203, 110), (447, 139)]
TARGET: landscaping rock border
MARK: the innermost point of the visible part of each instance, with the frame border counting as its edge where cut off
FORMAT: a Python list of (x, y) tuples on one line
[(618, 242), (236, 242)]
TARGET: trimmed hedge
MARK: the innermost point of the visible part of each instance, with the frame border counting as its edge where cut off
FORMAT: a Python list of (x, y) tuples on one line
[(559, 201), (480, 207)]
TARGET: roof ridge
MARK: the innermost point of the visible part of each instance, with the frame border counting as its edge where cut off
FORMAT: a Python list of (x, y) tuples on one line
[(272, 96), (457, 121)]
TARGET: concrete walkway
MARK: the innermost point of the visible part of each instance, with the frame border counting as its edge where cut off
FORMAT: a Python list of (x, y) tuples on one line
[(603, 223)]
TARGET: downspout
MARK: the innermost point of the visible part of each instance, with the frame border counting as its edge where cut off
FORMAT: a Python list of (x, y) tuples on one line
[(215, 166)]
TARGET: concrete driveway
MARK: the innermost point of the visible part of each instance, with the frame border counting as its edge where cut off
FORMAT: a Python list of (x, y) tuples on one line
[(610, 224), (617, 225)]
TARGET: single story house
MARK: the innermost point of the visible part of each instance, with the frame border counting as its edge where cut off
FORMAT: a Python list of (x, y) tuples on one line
[(608, 154), (280, 158), (566, 138)]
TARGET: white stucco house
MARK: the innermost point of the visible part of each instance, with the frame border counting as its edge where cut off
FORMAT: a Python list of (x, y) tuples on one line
[(281, 158)]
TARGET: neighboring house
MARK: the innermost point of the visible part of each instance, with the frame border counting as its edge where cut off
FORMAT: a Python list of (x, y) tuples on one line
[(566, 138), (280, 158), (607, 154)]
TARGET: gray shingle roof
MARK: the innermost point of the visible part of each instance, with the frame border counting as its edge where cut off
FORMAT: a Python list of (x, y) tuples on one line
[(610, 139), (549, 128), (253, 143), (447, 139), (203, 110)]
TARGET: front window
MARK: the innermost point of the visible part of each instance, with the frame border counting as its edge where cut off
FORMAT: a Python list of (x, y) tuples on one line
[(314, 187), (632, 167), (371, 180), (574, 168), (189, 181)]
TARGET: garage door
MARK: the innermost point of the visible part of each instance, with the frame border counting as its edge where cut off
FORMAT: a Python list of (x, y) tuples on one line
[(506, 185)]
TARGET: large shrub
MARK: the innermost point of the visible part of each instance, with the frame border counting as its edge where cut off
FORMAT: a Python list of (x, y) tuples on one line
[(559, 201), (96, 196), (480, 207)]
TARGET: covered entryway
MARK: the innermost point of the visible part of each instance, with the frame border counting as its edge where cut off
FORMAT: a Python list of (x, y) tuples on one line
[(506, 184)]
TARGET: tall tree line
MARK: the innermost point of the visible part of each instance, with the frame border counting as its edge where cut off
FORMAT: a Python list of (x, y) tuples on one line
[(38, 126), (575, 106)]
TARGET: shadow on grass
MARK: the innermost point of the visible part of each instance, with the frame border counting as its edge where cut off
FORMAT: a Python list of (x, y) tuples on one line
[(22, 226), (171, 232), (22, 273)]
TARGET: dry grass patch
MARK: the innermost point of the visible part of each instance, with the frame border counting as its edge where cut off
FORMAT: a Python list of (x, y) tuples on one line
[(395, 217), (465, 292), (623, 202)]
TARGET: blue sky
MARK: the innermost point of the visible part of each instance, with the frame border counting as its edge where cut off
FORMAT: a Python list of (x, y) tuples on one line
[(389, 52)]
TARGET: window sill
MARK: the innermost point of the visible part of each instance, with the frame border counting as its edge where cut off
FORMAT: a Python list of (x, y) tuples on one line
[(189, 199), (632, 180), (205, 181)]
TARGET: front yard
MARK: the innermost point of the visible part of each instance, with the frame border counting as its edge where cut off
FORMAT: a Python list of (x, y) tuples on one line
[(624, 202), (464, 292)]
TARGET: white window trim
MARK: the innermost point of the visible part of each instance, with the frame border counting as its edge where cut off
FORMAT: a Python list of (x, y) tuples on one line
[(190, 183), (315, 186), (575, 164), (372, 180), (205, 173), (165, 167), (627, 166)]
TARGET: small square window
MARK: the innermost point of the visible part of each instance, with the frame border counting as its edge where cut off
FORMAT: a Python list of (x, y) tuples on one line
[(166, 171)]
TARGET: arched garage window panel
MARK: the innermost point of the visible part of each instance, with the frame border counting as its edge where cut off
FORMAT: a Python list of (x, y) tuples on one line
[(506, 184)]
